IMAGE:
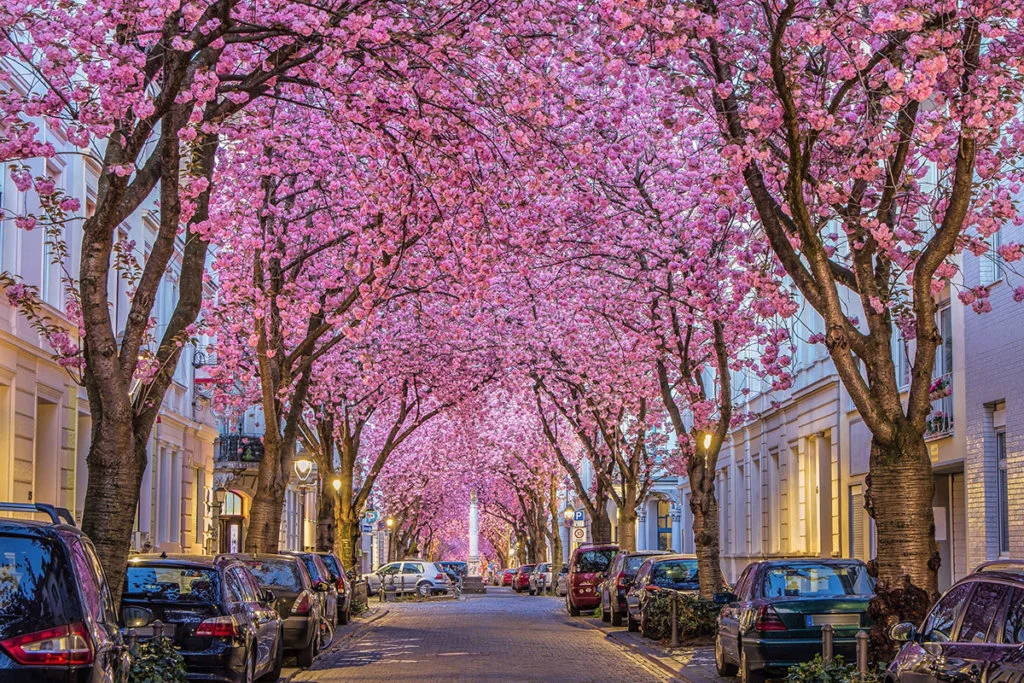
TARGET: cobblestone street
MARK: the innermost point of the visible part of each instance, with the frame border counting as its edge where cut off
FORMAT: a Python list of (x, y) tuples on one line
[(500, 636)]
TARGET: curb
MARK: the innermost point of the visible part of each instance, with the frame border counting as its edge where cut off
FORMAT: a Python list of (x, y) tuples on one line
[(353, 633), (644, 651)]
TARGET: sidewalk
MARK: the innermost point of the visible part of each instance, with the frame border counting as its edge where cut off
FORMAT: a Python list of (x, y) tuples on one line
[(691, 663), (355, 627)]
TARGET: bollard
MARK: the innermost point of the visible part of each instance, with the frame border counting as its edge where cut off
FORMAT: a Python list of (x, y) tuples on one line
[(862, 652), (827, 632), (133, 639), (158, 629), (675, 619)]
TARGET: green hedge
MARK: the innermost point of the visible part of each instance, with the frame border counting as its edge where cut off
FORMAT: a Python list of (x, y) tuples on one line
[(157, 661), (836, 671), (697, 617)]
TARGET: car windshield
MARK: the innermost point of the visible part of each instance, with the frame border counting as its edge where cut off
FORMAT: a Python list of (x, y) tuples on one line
[(817, 581), (280, 574), (633, 563), (680, 574), (314, 568), (332, 565), (595, 561), (172, 584), (527, 569), (36, 587)]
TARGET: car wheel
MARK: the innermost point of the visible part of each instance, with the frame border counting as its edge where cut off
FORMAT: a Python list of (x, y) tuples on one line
[(305, 656), (748, 675), (424, 590), (616, 618), (275, 672), (631, 623), (606, 615), (345, 616), (533, 592), (724, 667), (574, 611)]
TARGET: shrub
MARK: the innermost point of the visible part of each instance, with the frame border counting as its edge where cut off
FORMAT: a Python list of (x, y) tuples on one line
[(836, 671), (697, 618), (157, 661)]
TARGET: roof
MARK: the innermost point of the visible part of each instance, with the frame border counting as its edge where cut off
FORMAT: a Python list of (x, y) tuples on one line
[(36, 528), (797, 561), (248, 557), (175, 560)]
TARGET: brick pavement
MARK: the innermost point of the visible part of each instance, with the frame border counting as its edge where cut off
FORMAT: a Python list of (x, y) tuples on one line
[(496, 637)]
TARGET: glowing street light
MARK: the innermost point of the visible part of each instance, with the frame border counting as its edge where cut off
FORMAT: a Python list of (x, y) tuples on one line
[(390, 521), (569, 513), (707, 440), (337, 485), (303, 468)]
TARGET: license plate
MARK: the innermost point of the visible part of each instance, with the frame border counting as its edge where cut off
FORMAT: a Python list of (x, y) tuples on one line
[(834, 619)]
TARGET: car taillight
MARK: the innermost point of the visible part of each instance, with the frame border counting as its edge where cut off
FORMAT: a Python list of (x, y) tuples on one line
[(218, 627), (439, 577), (341, 585), (651, 588), (301, 604), (67, 645), (768, 619)]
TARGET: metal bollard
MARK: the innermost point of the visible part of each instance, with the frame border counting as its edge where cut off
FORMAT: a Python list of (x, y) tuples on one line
[(862, 652), (133, 639), (158, 629), (827, 632), (675, 620)]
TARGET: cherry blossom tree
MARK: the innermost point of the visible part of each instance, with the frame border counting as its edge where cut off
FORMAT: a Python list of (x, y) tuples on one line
[(875, 140)]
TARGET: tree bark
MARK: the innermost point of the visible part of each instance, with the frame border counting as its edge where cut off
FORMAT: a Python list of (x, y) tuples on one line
[(325, 524), (627, 517), (600, 524), (267, 508), (706, 532), (907, 560)]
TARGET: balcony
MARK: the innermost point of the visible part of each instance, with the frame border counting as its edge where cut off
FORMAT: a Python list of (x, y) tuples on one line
[(242, 450), (940, 420)]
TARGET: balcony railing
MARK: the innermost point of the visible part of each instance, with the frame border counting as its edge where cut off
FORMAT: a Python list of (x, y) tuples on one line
[(940, 420), (243, 448)]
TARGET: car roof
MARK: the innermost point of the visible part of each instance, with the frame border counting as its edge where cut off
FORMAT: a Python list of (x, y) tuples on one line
[(36, 528), (249, 557), (837, 561), (650, 553), (1009, 571), (179, 560)]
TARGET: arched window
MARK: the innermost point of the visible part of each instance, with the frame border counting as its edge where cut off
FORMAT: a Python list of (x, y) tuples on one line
[(233, 504)]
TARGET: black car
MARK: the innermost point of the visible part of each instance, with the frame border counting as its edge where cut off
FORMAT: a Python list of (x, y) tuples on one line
[(459, 568), (221, 621), (323, 585), (341, 584), (295, 600), (773, 618), (57, 618), (620, 578), (975, 632)]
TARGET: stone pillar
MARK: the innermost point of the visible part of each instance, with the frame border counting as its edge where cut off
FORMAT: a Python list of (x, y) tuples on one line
[(642, 539), (474, 532), (677, 527)]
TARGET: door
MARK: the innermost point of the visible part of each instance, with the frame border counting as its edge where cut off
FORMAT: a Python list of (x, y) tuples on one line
[(264, 618), (729, 617), (412, 572), (918, 660), (977, 640), (111, 654)]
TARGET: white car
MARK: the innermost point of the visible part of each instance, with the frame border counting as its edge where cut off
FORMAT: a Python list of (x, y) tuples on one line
[(414, 576)]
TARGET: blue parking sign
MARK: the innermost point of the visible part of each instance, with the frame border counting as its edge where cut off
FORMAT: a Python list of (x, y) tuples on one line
[(579, 516)]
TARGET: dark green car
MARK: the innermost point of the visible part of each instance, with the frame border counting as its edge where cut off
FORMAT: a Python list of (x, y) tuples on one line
[(774, 618)]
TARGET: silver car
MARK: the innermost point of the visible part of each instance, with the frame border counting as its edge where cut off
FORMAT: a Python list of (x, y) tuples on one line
[(562, 583), (540, 578), (414, 576)]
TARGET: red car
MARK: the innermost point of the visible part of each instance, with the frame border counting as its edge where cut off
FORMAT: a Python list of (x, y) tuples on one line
[(507, 576), (587, 568), (521, 580)]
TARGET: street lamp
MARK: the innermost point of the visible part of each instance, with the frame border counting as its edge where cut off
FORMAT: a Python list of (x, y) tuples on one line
[(569, 513), (337, 485), (707, 440), (390, 522)]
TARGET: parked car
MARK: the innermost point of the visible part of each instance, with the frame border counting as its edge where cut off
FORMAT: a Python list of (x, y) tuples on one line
[(521, 580), (57, 618), (460, 568), (414, 576), (295, 599), (975, 632), (562, 582), (341, 584), (372, 582), (506, 576), (587, 567), (540, 578), (620, 578), (773, 618), (324, 586), (661, 572), (220, 620)]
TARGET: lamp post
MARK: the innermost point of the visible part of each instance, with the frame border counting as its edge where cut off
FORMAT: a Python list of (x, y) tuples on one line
[(303, 469), (220, 494), (389, 523), (707, 440)]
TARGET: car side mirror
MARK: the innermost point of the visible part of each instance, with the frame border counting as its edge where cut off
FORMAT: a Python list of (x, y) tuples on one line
[(724, 598), (902, 632), (267, 596), (322, 587)]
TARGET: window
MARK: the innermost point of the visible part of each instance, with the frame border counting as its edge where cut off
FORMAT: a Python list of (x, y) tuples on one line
[(1004, 507), (664, 526), (990, 264), (857, 514), (938, 628), (233, 504), (1013, 632), (816, 581), (200, 500), (771, 507), (982, 609), (901, 358), (172, 584)]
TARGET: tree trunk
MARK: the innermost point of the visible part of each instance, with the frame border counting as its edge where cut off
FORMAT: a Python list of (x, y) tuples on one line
[(264, 531), (347, 537), (627, 517), (601, 525), (899, 498), (556, 533), (109, 515), (704, 506), (325, 521)]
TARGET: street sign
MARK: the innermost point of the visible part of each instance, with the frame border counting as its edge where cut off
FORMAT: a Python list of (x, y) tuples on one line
[(579, 533), (372, 516), (579, 524), (580, 515), (367, 528)]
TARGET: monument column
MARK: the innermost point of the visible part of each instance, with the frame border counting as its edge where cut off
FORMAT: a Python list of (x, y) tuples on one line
[(474, 533)]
